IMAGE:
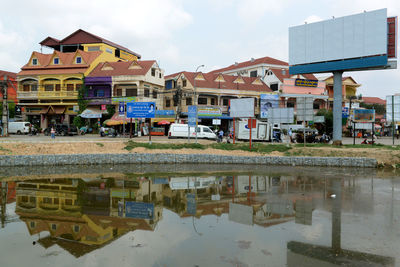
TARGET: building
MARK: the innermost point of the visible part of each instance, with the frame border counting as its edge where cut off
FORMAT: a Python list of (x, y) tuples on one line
[(272, 71), (48, 84), (373, 100), (12, 85), (213, 92), (349, 91)]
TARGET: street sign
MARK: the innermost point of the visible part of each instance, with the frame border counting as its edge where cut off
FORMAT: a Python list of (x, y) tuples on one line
[(139, 210), (216, 121), (141, 110), (192, 112), (345, 112), (121, 108), (17, 110)]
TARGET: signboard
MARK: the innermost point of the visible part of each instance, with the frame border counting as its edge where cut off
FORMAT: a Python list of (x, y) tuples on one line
[(92, 114), (103, 107), (121, 109), (267, 102), (281, 115), (241, 213), (345, 112), (306, 83), (305, 111), (126, 99), (17, 110), (192, 113), (209, 111), (340, 43), (389, 108), (165, 113), (364, 115), (242, 108), (215, 197), (191, 204), (363, 126), (216, 122), (160, 180), (141, 110), (75, 108), (139, 210), (120, 193), (319, 119)]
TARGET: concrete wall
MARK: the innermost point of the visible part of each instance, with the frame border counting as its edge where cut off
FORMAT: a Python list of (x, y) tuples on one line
[(84, 159)]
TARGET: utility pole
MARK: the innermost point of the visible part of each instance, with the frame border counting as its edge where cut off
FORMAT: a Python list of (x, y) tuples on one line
[(3, 84)]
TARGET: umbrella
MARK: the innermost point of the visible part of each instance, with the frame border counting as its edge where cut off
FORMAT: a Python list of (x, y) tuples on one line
[(163, 122)]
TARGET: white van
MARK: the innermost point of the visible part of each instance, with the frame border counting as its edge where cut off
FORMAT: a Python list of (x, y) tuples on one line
[(19, 127), (177, 130)]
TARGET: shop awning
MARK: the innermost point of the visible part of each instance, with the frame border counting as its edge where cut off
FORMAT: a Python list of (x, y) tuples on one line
[(117, 120), (92, 113), (52, 110), (162, 119)]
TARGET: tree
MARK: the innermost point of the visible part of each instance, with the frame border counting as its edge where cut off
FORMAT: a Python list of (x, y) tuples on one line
[(328, 114), (379, 109), (82, 103), (110, 110), (11, 109)]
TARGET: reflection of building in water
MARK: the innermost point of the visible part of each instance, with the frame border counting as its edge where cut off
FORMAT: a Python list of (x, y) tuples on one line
[(7, 196), (74, 210)]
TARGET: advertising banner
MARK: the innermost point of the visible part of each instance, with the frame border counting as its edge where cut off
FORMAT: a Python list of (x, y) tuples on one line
[(192, 112), (306, 83), (267, 102), (139, 210), (209, 111), (242, 108), (121, 108), (141, 110), (364, 115), (126, 99)]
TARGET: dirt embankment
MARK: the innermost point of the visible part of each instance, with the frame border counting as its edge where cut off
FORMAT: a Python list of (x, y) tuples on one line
[(384, 156)]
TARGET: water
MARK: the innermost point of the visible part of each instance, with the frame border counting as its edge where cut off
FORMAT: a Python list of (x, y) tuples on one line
[(196, 215)]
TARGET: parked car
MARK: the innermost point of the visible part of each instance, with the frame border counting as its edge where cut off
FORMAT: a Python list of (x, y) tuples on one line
[(19, 127), (62, 129), (181, 131)]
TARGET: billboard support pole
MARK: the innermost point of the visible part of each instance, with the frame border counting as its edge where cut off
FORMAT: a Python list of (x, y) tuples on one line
[(354, 133), (372, 133), (234, 130), (393, 118), (337, 107), (150, 132), (251, 126), (130, 130)]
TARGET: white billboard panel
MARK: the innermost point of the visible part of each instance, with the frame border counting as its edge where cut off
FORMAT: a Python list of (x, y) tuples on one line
[(281, 115), (354, 36), (389, 108), (242, 108), (304, 108)]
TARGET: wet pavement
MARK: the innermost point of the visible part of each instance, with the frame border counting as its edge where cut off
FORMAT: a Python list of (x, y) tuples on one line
[(199, 216)]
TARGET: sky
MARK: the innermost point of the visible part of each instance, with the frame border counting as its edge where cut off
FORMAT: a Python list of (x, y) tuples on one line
[(183, 34)]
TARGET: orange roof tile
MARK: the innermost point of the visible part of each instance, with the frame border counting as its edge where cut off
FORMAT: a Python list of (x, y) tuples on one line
[(257, 61), (373, 100), (122, 68)]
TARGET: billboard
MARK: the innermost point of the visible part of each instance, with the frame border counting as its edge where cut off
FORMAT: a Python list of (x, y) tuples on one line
[(346, 43), (140, 109), (281, 115), (267, 102), (192, 116), (389, 108), (208, 111), (364, 115), (242, 108), (304, 110)]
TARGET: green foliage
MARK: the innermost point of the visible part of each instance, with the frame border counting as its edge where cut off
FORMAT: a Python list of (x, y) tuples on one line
[(379, 109), (131, 145), (100, 144), (78, 122), (11, 109), (328, 114), (82, 93), (110, 110)]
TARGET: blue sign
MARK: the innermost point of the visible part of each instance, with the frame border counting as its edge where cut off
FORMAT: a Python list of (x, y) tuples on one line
[(141, 110), (139, 210), (160, 181), (192, 112), (121, 108), (191, 204), (165, 112), (345, 112)]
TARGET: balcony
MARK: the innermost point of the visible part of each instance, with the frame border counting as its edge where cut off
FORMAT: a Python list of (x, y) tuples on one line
[(57, 94), (49, 206), (27, 95)]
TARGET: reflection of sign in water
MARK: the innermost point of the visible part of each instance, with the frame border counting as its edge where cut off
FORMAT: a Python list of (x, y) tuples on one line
[(139, 210), (192, 112), (267, 102), (120, 209), (306, 83), (191, 204), (364, 115), (241, 213), (141, 110), (304, 212), (160, 180)]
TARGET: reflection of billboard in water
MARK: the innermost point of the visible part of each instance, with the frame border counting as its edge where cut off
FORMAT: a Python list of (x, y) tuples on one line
[(139, 210), (267, 102), (364, 115)]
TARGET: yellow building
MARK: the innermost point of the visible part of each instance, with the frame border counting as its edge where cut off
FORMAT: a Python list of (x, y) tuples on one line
[(48, 84), (349, 91)]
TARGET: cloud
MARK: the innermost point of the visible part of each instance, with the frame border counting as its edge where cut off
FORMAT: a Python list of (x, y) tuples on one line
[(251, 11)]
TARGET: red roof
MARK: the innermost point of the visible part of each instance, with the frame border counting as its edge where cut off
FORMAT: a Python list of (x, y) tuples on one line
[(257, 61), (83, 37), (122, 68), (11, 75), (374, 100), (209, 82)]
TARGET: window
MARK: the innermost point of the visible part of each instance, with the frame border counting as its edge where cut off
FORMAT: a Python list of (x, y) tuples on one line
[(53, 226), (48, 87), (212, 101), (225, 102), (159, 75), (56, 200), (253, 73), (32, 224), (93, 48), (56, 60), (290, 105), (68, 202), (315, 106), (202, 101), (108, 50), (32, 199), (153, 72), (34, 61), (184, 83), (70, 87), (76, 228), (175, 102), (146, 93), (119, 92), (33, 87), (206, 130), (154, 94), (47, 200), (131, 92), (167, 103), (78, 86), (58, 87), (274, 87), (78, 60), (255, 102), (26, 87), (99, 93), (188, 101)]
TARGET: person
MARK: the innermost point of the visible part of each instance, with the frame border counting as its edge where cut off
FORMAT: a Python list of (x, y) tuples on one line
[(290, 135), (53, 133), (220, 135)]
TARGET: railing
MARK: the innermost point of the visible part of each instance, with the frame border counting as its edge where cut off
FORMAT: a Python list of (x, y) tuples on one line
[(57, 94), (22, 94), (49, 206)]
